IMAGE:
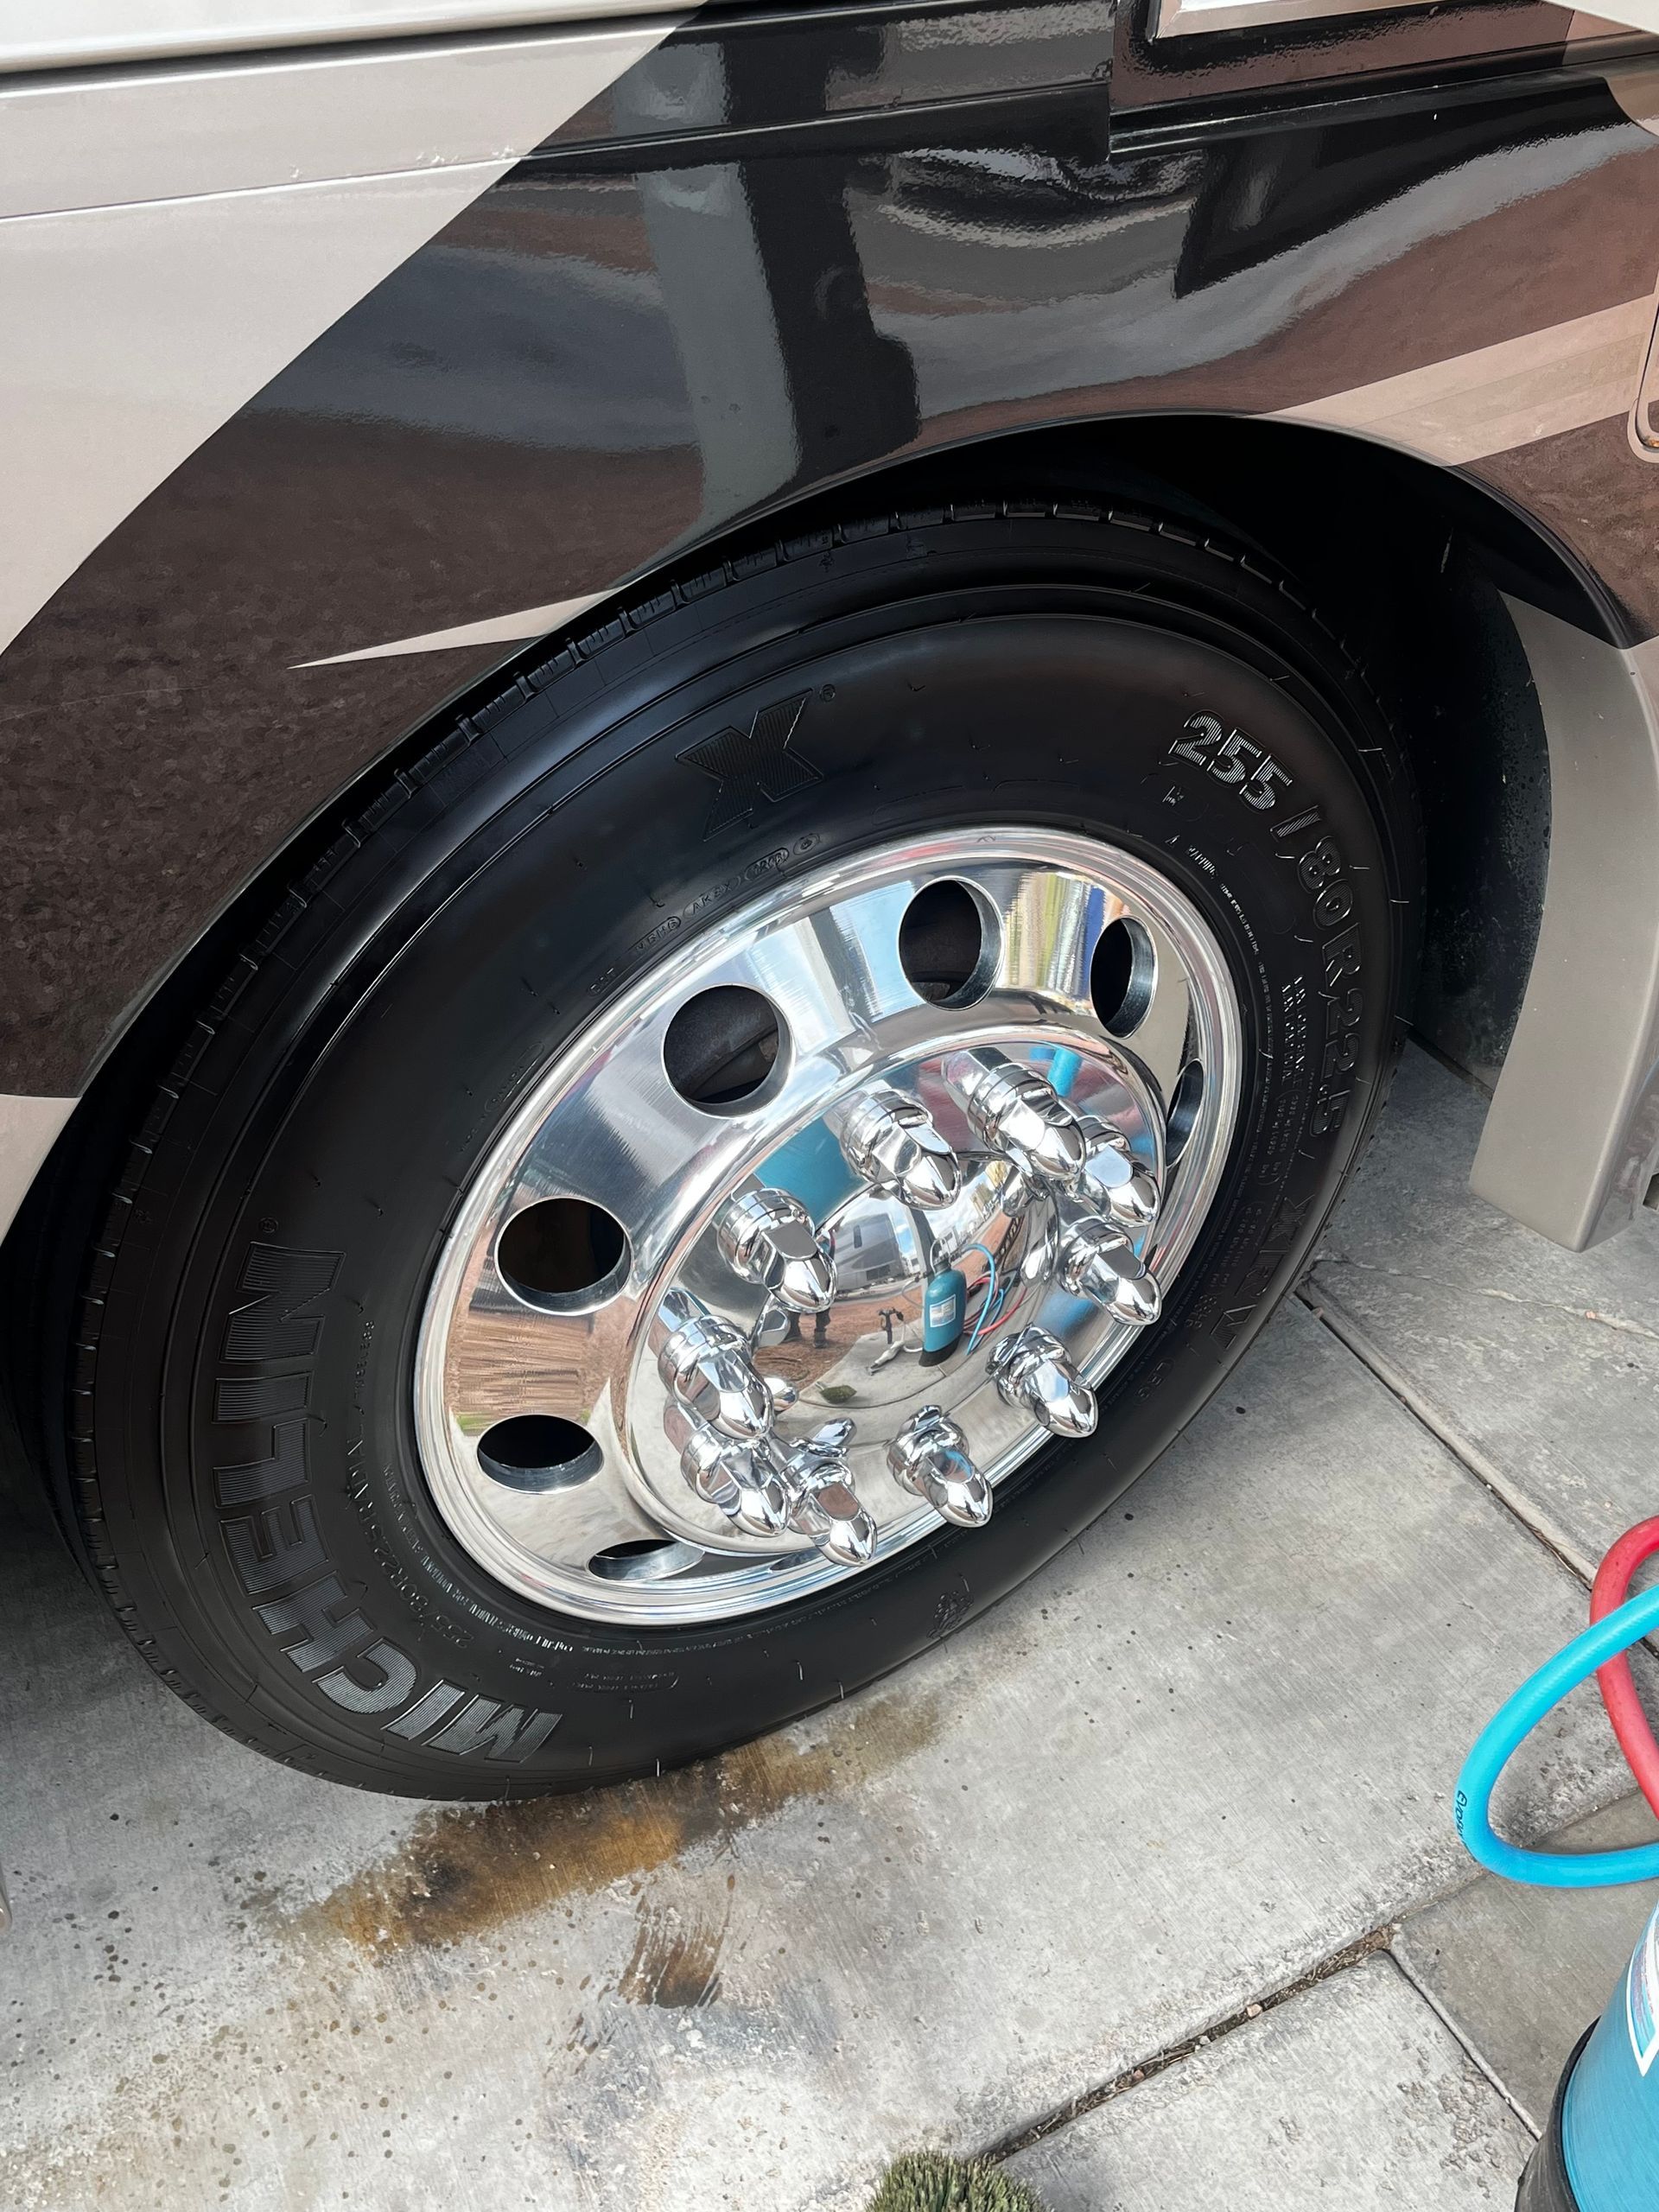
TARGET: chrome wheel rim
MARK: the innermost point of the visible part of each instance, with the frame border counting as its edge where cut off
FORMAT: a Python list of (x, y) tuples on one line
[(708, 1336)]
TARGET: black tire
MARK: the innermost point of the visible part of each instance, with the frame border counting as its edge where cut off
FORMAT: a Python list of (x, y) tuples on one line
[(255, 1290)]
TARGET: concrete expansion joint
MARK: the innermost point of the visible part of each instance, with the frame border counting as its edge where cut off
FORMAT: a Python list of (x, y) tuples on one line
[(1471, 2050), (1618, 1322), (1353, 1339), (1351, 1955)]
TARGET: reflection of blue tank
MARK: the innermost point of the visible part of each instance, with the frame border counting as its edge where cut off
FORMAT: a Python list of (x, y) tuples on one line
[(813, 1166), (943, 1310), (1059, 1065)]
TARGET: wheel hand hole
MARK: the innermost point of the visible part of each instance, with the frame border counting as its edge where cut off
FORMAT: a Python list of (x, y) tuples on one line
[(1183, 1111), (721, 1045), (539, 1452), (648, 1559), (946, 945), (560, 1247), (1121, 975)]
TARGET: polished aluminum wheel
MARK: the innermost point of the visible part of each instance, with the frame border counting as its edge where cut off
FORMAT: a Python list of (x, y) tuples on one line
[(802, 1245)]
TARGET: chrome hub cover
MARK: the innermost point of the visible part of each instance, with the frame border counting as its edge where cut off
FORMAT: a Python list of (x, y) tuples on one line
[(721, 1321)]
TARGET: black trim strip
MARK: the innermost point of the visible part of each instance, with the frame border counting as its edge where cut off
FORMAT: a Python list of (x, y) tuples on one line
[(887, 131), (1156, 130)]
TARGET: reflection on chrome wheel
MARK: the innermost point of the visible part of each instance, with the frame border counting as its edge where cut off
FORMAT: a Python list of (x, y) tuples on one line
[(805, 1243)]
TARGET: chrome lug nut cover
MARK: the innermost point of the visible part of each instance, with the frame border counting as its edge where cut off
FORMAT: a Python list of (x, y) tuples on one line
[(1117, 1182), (705, 1363), (1034, 1370), (825, 1507), (1100, 1263), (743, 1481), (1019, 1113), (930, 1457), (832, 1312), (767, 1237), (891, 1141)]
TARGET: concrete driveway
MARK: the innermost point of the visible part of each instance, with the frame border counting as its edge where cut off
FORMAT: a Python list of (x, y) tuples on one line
[(1147, 1880)]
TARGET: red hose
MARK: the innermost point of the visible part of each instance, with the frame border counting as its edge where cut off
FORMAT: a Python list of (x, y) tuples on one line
[(1615, 1680)]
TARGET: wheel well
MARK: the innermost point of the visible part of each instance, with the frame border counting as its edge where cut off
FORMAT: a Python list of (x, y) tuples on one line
[(1410, 559), (1416, 562), (1413, 562)]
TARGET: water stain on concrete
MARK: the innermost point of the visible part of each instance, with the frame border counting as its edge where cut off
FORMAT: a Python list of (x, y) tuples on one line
[(465, 1869), (462, 1872), (675, 1960)]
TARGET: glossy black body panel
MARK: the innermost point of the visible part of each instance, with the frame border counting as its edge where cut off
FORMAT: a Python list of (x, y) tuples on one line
[(779, 253)]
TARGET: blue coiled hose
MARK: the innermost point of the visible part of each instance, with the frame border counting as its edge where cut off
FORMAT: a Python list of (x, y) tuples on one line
[(1510, 1726)]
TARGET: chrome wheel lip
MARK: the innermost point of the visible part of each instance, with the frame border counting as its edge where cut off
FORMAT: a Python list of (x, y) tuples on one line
[(500, 1530)]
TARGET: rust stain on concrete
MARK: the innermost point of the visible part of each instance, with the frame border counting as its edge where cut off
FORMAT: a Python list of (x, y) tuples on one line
[(466, 1869)]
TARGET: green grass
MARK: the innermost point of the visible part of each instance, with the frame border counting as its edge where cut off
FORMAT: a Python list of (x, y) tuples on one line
[(925, 2181)]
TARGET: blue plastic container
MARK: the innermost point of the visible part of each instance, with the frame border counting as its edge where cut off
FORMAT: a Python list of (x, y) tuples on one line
[(1601, 2152)]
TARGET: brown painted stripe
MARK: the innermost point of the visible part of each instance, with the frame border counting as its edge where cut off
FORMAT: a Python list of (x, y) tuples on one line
[(1551, 380)]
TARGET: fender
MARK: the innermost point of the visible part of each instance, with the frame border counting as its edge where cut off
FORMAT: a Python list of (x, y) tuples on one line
[(1573, 1158)]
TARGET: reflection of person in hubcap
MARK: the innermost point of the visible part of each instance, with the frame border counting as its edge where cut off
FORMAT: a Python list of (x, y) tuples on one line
[(820, 1327)]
